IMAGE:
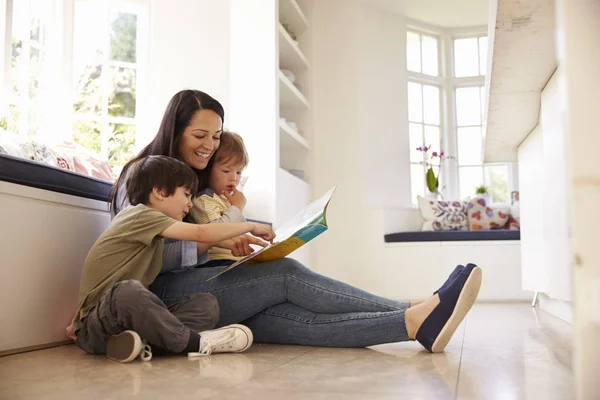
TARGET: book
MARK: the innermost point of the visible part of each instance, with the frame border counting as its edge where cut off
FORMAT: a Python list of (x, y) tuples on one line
[(309, 223)]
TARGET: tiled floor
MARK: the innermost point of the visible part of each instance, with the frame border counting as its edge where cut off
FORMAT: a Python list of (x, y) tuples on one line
[(502, 351)]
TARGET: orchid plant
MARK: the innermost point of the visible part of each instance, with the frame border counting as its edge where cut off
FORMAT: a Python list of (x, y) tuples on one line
[(431, 179)]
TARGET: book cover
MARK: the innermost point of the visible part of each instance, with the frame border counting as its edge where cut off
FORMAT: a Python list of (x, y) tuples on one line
[(309, 223)]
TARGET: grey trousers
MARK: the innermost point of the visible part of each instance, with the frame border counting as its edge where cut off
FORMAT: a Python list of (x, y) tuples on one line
[(128, 305)]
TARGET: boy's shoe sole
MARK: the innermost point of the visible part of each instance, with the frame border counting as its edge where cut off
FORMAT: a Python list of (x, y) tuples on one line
[(124, 347), (465, 301)]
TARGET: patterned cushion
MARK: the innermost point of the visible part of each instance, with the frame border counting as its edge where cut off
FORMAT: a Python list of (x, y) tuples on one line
[(483, 217), (442, 215)]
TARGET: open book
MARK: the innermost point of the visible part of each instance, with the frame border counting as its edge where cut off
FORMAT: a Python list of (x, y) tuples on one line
[(305, 226)]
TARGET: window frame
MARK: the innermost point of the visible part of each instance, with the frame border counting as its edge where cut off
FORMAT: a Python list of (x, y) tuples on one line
[(448, 83), (430, 80)]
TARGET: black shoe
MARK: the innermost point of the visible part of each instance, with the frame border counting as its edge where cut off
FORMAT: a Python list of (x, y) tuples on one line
[(452, 276), (455, 302)]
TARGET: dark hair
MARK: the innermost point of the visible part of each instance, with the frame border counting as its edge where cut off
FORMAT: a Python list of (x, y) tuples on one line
[(162, 172), (176, 118), (232, 149)]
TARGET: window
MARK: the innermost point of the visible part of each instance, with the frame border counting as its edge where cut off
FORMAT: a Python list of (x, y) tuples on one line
[(460, 134), (422, 51), (424, 130), (470, 56), (29, 68), (89, 85), (105, 64), (424, 104)]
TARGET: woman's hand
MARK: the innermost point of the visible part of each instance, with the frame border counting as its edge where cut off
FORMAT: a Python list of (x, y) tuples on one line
[(240, 245), (236, 198)]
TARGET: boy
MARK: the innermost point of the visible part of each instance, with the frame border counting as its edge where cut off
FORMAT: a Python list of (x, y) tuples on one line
[(115, 307), (230, 160)]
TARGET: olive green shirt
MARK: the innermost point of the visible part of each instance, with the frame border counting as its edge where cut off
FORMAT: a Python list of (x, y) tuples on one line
[(130, 248)]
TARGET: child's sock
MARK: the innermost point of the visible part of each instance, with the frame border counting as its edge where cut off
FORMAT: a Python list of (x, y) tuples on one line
[(193, 345)]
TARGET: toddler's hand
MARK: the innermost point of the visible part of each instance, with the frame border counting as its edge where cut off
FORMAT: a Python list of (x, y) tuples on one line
[(236, 198)]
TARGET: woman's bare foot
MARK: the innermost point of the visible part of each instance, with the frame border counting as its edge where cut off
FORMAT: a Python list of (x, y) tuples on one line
[(416, 314)]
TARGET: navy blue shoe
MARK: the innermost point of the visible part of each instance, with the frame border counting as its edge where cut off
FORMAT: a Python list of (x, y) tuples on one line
[(455, 302), (453, 275)]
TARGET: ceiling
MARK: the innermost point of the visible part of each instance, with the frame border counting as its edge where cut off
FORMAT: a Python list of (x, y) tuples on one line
[(444, 13)]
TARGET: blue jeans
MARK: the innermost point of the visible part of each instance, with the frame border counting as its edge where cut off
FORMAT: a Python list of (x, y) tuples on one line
[(285, 302)]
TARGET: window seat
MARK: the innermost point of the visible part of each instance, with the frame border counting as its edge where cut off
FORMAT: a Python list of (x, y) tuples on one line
[(35, 174), (453, 236)]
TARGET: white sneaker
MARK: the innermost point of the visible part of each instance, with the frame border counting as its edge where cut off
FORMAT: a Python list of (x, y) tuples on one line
[(228, 339), (126, 347)]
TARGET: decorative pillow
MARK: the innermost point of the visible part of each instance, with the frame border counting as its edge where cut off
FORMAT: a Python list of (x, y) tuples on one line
[(442, 215), (512, 224), (483, 217)]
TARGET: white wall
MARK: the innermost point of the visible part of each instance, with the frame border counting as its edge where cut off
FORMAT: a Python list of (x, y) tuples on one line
[(188, 49), (253, 99), (579, 57), (546, 249), (42, 255), (360, 143)]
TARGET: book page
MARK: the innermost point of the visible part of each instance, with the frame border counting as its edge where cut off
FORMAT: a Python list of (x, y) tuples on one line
[(308, 215)]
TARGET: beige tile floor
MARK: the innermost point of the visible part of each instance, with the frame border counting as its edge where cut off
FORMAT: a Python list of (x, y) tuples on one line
[(501, 351)]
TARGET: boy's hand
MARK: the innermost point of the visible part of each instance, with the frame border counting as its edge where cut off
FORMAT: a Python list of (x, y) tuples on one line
[(236, 198), (263, 231), (240, 245)]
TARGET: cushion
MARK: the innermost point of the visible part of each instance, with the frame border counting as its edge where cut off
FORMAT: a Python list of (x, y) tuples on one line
[(439, 215), (483, 217), (512, 224)]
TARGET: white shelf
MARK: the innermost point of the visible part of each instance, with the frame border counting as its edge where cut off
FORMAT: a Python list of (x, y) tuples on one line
[(289, 139), (291, 14), (292, 181), (289, 95), (290, 55)]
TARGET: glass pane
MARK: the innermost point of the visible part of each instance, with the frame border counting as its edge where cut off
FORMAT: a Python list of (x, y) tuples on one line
[(430, 55), (483, 110), (17, 68), (413, 51), (123, 37), (121, 146), (417, 181), (88, 93), (415, 133), (41, 12), (415, 102), (483, 42), (34, 118), (468, 106), (469, 146), (432, 138), (431, 104), (36, 63), (466, 57), (470, 178), (14, 114), (88, 134), (496, 179), (122, 98), (89, 47)]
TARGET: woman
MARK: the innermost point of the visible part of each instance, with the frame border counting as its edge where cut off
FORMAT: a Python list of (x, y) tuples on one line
[(283, 301)]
